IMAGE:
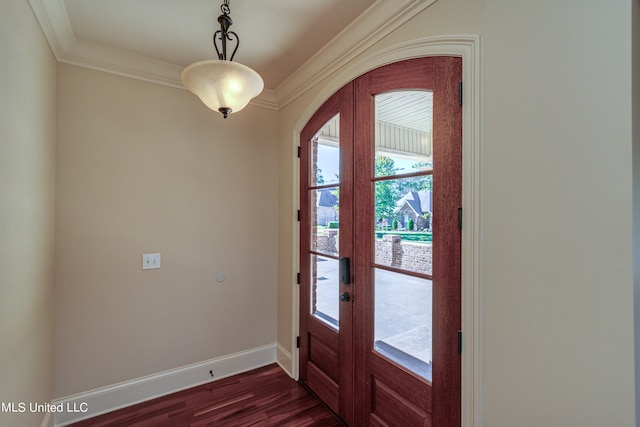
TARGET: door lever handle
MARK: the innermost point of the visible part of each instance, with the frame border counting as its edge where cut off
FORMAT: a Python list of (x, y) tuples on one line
[(345, 271), (345, 297)]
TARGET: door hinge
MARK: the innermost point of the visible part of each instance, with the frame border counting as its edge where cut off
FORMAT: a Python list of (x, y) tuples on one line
[(459, 218), (298, 278), (459, 94), (297, 342), (298, 214), (298, 151), (459, 342)]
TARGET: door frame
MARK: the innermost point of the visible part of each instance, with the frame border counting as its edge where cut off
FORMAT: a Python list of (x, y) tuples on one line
[(468, 48)]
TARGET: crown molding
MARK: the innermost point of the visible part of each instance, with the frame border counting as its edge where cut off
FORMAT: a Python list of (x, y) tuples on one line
[(376, 22), (379, 20), (267, 99), (54, 21)]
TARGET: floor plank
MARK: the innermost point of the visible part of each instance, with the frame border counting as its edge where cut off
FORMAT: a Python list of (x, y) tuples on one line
[(263, 397)]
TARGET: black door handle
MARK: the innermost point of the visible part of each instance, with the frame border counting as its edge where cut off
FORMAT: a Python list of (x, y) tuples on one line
[(345, 271), (345, 297)]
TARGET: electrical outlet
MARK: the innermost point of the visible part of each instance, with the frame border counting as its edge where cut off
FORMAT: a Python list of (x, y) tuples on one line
[(150, 261)]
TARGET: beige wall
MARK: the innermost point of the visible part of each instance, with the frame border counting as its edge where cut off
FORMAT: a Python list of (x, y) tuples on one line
[(27, 173), (556, 276), (144, 168), (558, 314)]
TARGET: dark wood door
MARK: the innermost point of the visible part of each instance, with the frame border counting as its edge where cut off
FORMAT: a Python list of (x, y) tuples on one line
[(392, 358), (326, 202)]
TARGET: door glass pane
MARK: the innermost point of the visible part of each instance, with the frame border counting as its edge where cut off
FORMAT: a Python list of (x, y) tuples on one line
[(403, 320), (325, 233), (403, 132), (324, 286), (325, 154), (403, 232)]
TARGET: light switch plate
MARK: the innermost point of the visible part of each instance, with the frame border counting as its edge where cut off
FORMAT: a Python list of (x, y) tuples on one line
[(150, 261)]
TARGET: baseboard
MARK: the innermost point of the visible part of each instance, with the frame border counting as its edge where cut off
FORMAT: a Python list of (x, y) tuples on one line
[(47, 421), (283, 357), (106, 399)]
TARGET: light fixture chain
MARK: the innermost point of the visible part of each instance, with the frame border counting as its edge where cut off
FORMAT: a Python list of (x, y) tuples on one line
[(224, 34)]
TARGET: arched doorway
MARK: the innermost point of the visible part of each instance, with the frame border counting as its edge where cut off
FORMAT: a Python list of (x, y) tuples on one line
[(380, 298)]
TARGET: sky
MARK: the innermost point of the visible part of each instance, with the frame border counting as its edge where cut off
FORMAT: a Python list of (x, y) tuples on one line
[(329, 162)]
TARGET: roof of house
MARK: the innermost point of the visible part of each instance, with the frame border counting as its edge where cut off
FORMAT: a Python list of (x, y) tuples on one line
[(327, 199), (419, 201)]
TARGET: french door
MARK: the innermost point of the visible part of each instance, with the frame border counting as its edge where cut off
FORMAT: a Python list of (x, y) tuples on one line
[(380, 246)]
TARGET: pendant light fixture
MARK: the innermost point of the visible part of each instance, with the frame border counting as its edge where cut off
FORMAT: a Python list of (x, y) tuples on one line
[(221, 84)]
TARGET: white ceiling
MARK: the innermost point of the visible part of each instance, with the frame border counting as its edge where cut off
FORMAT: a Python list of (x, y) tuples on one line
[(290, 43), (412, 109), (276, 36)]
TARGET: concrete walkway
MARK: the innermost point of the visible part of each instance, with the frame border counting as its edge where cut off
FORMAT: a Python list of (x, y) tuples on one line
[(403, 313)]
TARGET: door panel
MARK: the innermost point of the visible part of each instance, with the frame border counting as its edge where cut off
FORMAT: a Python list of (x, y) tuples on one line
[(325, 216), (433, 398), (447, 242), (383, 349), (391, 407)]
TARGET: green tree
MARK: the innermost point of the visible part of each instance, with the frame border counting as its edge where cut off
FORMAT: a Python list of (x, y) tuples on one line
[(385, 166), (387, 192), (421, 183)]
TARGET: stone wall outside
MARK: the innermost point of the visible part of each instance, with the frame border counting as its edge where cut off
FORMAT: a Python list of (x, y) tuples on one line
[(412, 256), (390, 251)]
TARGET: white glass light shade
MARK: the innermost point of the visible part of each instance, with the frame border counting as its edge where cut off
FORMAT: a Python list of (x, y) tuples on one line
[(222, 84)]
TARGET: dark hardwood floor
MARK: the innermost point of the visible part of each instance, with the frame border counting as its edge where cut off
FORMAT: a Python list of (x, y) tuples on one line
[(262, 397)]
